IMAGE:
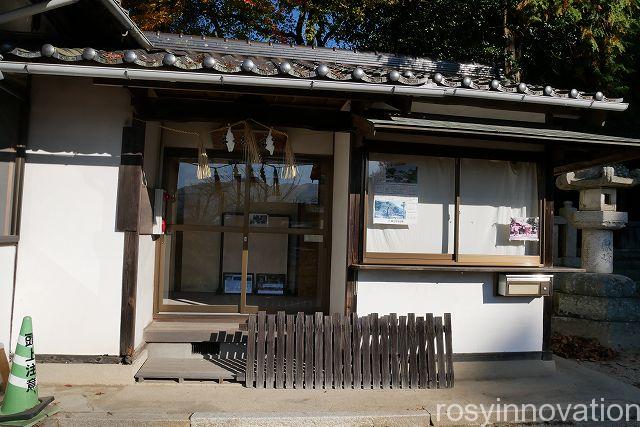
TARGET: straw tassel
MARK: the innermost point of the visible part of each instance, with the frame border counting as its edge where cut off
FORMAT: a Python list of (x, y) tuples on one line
[(204, 170), (290, 169), (252, 152)]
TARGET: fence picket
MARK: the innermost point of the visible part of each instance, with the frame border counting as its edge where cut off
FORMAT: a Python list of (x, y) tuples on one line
[(318, 378), (260, 349), (403, 349), (280, 346), (346, 348), (395, 365), (375, 351), (328, 353), (385, 377), (251, 351), (299, 378), (412, 342), (288, 381), (431, 349), (423, 377), (440, 353), (366, 352), (449, 348), (271, 350), (308, 351), (356, 326), (337, 349)]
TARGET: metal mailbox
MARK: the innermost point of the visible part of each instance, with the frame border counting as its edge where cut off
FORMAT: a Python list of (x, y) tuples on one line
[(525, 285)]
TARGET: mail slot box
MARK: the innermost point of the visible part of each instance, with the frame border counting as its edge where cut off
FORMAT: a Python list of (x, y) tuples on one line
[(525, 285)]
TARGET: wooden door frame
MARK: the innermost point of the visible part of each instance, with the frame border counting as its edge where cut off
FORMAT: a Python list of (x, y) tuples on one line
[(164, 311)]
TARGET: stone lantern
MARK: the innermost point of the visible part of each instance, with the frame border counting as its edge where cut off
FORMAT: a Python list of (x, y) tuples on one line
[(596, 215)]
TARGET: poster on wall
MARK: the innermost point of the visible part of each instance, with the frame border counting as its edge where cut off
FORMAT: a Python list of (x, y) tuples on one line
[(259, 220), (524, 229), (233, 283), (270, 284), (399, 179), (399, 210)]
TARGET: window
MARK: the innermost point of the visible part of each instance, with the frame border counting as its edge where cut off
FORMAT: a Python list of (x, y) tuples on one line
[(411, 203), (10, 110), (411, 211)]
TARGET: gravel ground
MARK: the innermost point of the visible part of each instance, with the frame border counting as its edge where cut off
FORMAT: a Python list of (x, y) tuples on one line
[(625, 367)]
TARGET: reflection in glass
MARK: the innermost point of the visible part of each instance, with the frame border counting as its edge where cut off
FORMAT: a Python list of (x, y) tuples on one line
[(298, 198), (203, 202)]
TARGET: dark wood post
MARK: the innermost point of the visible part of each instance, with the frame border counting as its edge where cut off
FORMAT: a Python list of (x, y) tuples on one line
[(355, 220), (548, 186), (127, 221)]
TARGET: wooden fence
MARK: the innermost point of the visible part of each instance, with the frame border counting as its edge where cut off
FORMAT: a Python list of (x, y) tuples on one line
[(317, 351)]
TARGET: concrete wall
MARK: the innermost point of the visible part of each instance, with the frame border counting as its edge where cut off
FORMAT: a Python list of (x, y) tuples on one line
[(339, 214), (69, 271), (7, 258), (481, 321)]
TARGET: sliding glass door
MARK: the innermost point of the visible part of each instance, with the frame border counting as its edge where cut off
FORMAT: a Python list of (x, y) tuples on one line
[(251, 237)]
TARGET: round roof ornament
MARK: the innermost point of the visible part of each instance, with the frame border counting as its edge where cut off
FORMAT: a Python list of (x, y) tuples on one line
[(522, 87), (495, 84), (574, 93), (394, 75), (248, 65), (548, 91), (169, 59), (285, 67), (467, 82), (408, 74), (89, 54), (208, 61), (130, 56), (322, 70), (438, 78), (358, 73), (47, 50), (599, 96)]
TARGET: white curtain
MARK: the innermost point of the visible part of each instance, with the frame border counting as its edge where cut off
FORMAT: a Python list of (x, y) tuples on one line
[(433, 231), (491, 193)]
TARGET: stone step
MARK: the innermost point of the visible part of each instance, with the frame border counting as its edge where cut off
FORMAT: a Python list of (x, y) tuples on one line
[(188, 332), (616, 335), (596, 284), (597, 308)]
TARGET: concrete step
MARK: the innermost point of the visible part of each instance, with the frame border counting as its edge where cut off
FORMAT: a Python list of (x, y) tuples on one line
[(181, 369), (188, 332)]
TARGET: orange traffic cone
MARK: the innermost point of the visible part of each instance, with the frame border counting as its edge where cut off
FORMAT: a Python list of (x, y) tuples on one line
[(21, 405)]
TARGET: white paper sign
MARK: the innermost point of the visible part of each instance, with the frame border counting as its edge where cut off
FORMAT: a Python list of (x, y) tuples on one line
[(401, 210)]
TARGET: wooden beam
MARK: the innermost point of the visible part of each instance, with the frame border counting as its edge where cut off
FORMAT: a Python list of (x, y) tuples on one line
[(181, 109), (128, 302), (127, 221)]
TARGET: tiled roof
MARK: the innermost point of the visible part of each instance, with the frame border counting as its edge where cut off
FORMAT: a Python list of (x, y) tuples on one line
[(202, 54)]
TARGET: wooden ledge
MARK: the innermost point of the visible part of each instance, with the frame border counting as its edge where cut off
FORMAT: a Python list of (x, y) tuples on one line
[(467, 268)]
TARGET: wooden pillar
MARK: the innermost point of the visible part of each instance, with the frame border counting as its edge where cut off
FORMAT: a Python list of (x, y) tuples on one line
[(128, 221), (357, 169), (548, 186)]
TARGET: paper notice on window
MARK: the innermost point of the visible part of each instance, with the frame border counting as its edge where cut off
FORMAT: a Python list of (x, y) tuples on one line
[(399, 210), (523, 229)]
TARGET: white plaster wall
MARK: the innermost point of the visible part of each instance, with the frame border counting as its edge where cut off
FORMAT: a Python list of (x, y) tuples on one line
[(339, 218), (69, 272), (481, 322), (7, 257)]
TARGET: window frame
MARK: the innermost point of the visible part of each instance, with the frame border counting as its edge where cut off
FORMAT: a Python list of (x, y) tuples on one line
[(455, 259)]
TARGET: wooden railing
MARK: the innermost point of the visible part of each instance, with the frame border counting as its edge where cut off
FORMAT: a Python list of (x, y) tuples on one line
[(317, 351)]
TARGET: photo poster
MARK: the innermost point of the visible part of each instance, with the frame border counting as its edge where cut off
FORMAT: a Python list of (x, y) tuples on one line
[(524, 229), (233, 283), (395, 199)]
